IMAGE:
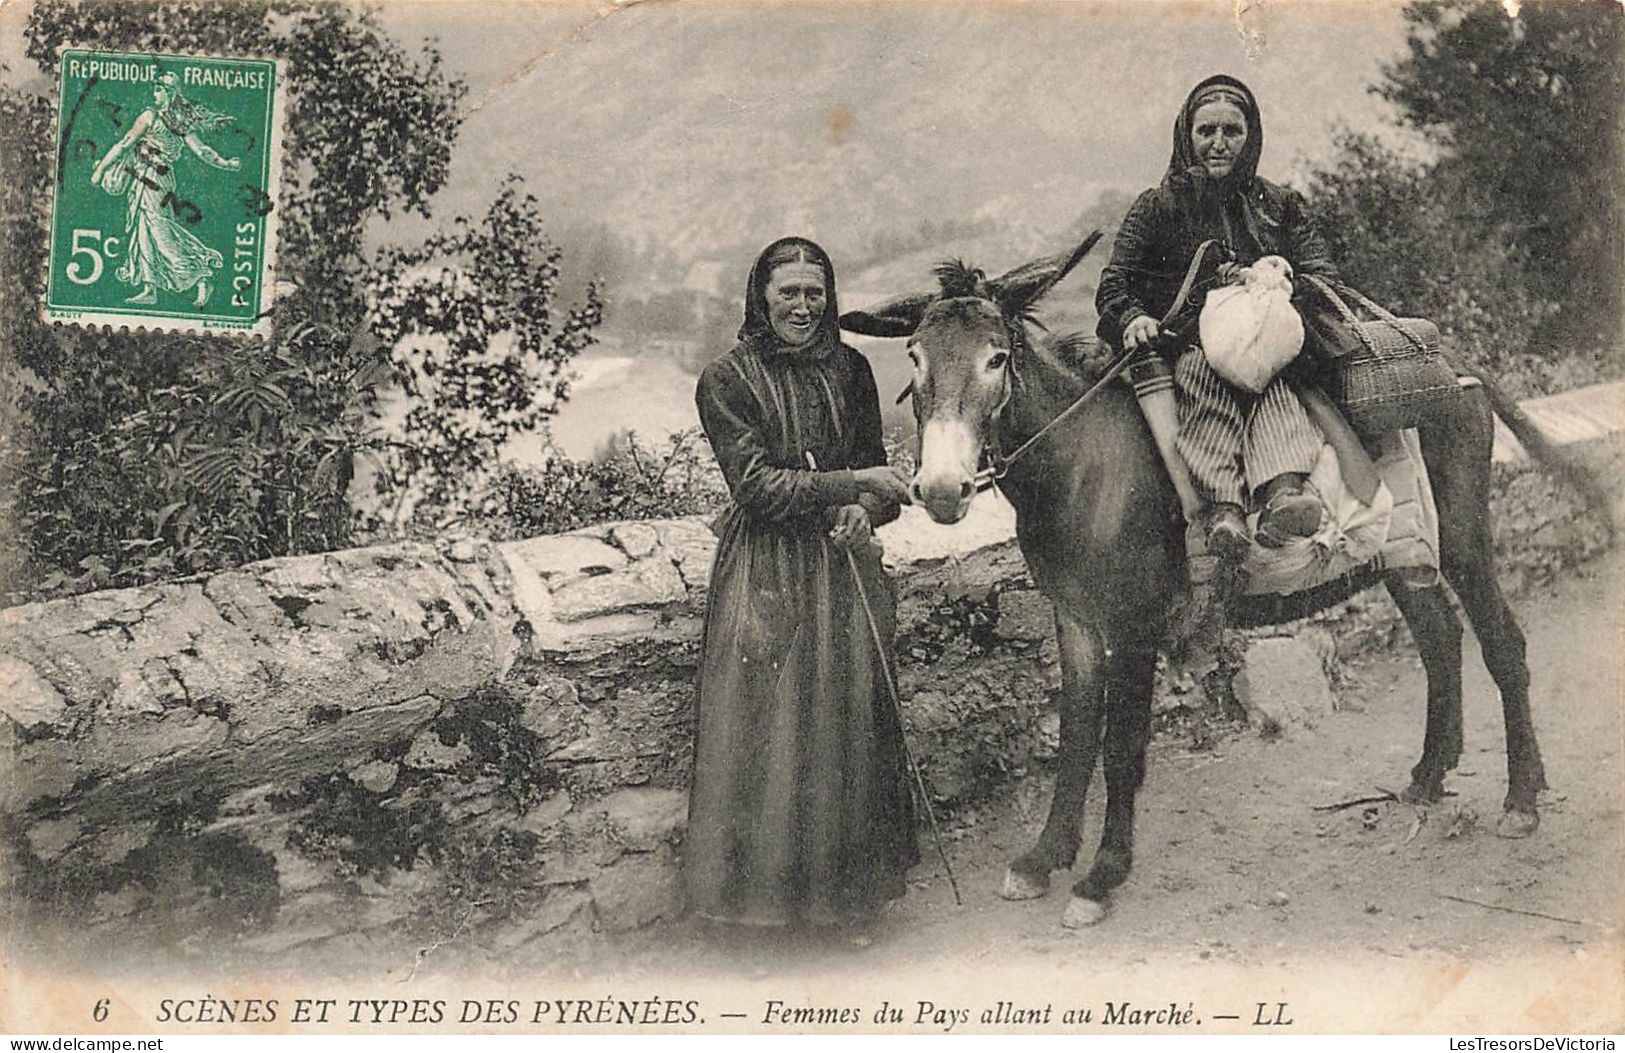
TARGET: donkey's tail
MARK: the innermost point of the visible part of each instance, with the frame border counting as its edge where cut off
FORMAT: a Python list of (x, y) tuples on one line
[(1560, 462)]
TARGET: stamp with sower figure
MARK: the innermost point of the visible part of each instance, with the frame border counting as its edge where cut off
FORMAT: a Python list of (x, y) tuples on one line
[(167, 173)]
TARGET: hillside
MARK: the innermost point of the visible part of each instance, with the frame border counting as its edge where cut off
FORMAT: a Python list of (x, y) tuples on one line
[(710, 128)]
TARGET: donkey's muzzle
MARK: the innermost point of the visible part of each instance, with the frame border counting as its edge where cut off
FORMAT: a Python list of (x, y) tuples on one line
[(945, 500), (944, 484)]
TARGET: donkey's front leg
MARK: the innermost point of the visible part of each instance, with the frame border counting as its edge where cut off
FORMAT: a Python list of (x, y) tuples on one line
[(1128, 732), (1082, 712)]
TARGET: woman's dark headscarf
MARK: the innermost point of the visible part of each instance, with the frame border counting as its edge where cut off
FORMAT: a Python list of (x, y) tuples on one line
[(1237, 194), (757, 332)]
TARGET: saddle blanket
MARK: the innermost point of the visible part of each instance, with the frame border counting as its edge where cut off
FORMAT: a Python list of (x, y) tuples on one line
[(1398, 530)]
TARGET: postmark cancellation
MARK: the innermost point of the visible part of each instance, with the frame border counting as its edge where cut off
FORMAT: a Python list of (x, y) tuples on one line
[(167, 184)]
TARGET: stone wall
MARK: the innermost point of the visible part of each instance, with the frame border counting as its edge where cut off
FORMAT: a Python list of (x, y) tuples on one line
[(304, 749), (380, 739)]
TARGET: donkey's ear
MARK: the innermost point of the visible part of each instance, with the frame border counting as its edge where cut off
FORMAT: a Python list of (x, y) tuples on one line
[(899, 317), (1027, 284)]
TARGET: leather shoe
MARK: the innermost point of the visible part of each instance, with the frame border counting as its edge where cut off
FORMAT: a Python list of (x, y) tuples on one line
[(1290, 513), (1227, 532)]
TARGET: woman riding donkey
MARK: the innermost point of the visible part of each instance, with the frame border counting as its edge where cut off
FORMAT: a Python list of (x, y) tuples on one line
[(1093, 506), (1237, 445)]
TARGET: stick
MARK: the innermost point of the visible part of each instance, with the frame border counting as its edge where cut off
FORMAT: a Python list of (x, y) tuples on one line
[(1513, 910), (1356, 802), (897, 707)]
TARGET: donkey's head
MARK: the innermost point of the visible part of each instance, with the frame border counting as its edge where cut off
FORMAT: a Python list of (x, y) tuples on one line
[(961, 339)]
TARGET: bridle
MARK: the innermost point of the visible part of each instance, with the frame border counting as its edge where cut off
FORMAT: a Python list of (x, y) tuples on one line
[(1000, 463)]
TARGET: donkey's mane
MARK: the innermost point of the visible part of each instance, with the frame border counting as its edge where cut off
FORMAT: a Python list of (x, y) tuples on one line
[(1076, 357), (956, 278)]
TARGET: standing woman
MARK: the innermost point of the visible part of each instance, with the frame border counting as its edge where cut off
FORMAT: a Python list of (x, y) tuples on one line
[(799, 812)]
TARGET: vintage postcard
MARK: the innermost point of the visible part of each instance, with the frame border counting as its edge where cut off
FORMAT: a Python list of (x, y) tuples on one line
[(164, 207), (734, 518)]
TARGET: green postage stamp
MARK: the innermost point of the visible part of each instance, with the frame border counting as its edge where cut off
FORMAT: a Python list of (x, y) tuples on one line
[(167, 172)]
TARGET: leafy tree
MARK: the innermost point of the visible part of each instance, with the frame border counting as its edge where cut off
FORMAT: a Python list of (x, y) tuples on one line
[(130, 456), (1509, 235), (1526, 111), (478, 354), (1389, 224)]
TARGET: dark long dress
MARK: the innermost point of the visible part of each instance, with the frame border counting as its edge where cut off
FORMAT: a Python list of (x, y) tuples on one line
[(799, 810)]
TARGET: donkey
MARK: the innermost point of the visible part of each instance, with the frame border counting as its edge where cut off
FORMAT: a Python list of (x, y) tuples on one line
[(1099, 524)]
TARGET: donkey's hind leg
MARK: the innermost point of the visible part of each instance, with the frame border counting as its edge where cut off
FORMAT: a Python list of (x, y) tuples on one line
[(1437, 631), (1457, 450), (1082, 710), (1502, 644)]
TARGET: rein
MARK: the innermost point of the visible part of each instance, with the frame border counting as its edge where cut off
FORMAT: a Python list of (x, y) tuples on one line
[(999, 464)]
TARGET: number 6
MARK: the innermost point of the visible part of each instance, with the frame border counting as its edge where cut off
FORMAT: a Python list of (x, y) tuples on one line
[(74, 269)]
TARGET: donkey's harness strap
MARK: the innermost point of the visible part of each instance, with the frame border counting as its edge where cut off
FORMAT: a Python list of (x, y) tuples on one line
[(1001, 464)]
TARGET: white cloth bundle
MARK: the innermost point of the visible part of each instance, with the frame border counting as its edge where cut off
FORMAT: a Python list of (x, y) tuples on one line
[(1251, 331)]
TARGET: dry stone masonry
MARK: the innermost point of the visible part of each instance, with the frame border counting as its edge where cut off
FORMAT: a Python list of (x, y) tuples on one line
[(308, 747)]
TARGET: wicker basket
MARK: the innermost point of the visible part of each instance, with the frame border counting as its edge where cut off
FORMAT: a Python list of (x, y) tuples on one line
[(1395, 378)]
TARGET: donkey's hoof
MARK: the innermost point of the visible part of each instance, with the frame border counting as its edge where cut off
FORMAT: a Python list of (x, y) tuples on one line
[(1422, 794), (1081, 913), (1024, 886), (1514, 823)]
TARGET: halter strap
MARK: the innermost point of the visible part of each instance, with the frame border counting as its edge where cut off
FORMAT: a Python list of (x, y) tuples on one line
[(998, 463)]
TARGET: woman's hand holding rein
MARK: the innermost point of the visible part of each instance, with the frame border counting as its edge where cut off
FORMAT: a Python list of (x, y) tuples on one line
[(1140, 332)]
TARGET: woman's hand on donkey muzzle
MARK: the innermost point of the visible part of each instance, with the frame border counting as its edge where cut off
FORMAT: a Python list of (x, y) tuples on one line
[(887, 482)]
